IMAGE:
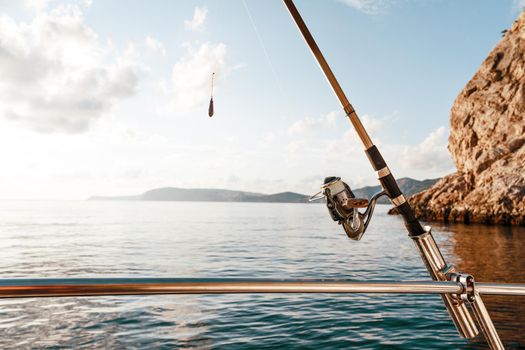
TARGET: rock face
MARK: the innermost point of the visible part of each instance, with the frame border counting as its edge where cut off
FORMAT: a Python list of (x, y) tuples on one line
[(486, 141)]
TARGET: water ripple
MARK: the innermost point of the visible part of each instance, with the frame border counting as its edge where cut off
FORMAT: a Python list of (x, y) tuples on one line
[(137, 239)]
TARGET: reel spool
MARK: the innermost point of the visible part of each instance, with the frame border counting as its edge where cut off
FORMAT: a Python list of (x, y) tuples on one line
[(343, 206)]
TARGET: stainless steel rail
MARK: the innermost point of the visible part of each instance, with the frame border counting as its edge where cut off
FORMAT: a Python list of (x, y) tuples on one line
[(68, 287), (500, 288)]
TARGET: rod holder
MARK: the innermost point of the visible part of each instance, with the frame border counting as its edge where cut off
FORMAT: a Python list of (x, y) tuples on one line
[(485, 322), (438, 269), (472, 297)]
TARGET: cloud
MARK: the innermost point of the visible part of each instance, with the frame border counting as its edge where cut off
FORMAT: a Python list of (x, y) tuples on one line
[(197, 22), (191, 75), (309, 124), (39, 5), (267, 139), (57, 76), (369, 7), (350, 142), (155, 45), (519, 5), (371, 124), (429, 155), (36, 5)]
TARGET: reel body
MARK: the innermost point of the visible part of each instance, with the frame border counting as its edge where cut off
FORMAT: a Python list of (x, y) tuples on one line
[(343, 206)]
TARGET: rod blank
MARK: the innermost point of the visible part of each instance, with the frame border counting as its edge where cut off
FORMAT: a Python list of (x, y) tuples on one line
[(332, 80)]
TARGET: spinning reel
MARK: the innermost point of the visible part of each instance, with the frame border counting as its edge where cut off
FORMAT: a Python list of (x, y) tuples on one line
[(343, 206)]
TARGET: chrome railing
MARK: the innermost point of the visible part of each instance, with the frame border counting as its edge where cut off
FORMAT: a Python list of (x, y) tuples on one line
[(459, 290), (74, 287)]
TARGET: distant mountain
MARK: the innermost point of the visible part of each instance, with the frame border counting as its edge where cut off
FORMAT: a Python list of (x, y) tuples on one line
[(197, 194), (209, 195), (408, 186)]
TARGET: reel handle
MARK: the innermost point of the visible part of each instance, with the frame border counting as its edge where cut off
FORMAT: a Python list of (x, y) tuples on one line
[(352, 203)]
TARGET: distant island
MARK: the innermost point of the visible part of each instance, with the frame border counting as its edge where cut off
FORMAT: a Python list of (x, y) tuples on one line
[(408, 186)]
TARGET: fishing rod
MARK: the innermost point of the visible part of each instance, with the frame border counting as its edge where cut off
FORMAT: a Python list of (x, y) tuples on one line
[(343, 206)]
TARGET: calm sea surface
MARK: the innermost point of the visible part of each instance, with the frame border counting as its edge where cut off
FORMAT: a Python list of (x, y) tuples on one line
[(175, 239)]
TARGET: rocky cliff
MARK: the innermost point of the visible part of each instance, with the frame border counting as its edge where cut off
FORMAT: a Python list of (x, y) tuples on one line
[(487, 137)]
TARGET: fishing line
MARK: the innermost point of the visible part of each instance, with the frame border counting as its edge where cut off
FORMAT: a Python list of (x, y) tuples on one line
[(267, 55)]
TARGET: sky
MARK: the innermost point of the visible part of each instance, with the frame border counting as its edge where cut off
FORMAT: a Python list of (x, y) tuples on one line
[(111, 97)]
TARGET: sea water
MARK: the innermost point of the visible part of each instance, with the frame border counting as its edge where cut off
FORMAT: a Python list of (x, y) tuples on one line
[(252, 240)]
